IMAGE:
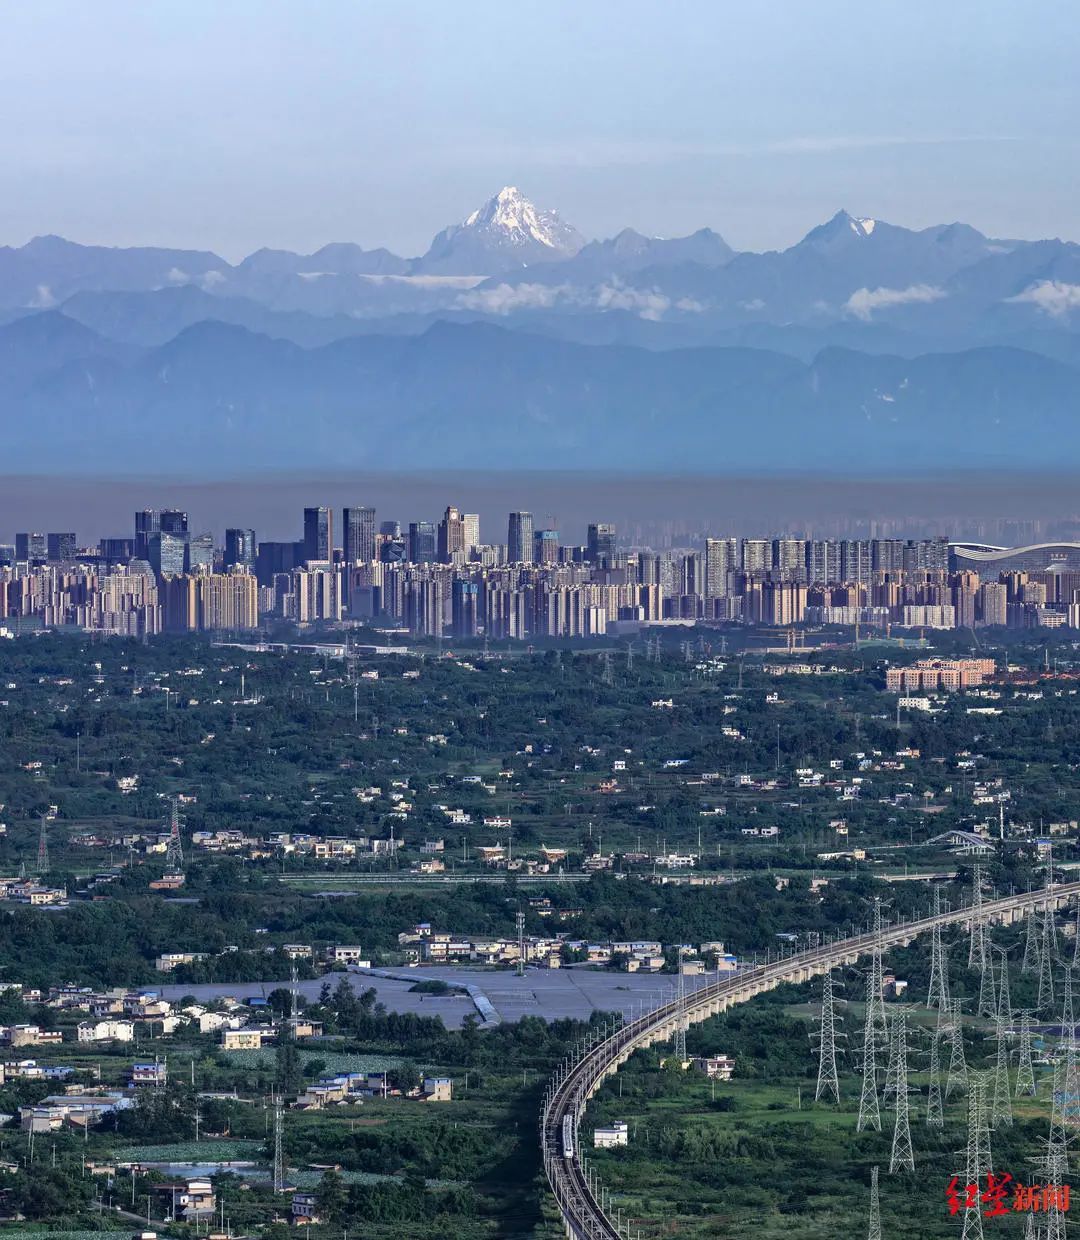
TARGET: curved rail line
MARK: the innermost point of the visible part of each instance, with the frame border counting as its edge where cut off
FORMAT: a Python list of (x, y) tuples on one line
[(578, 1079)]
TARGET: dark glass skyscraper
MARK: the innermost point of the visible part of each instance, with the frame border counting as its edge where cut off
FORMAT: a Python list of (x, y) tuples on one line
[(422, 542), (601, 544), (519, 538), (239, 548), (318, 534), (358, 535)]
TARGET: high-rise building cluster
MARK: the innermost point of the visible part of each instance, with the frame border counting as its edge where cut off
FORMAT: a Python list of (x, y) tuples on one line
[(434, 578)]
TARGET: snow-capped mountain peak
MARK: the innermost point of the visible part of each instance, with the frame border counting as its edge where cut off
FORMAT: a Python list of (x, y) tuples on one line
[(506, 232)]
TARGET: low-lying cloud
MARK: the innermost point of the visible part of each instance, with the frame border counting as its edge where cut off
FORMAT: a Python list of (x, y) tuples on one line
[(1053, 297), (611, 295), (864, 301)]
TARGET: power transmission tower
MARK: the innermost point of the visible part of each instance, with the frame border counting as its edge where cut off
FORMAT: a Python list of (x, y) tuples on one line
[(939, 968), (828, 1080), (977, 1164), (958, 1073), (680, 1020), (174, 852), (521, 943), (279, 1150), (43, 847), (1031, 944), (630, 656), (987, 998), (869, 1109), (1001, 1108), (935, 1111), (608, 674), (875, 1207), (1004, 1008), (1045, 998), (1054, 1165), (1025, 1073), (902, 1153), (1076, 938), (977, 935)]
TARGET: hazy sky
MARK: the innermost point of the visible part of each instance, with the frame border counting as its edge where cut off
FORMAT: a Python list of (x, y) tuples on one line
[(231, 125)]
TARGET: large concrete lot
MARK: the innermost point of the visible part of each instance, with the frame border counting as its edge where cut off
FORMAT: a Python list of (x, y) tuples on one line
[(549, 993)]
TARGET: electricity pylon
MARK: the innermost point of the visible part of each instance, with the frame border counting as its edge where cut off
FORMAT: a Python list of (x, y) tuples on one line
[(977, 929), (902, 1153), (939, 969), (1025, 1073), (279, 1146), (43, 847), (958, 1073), (935, 1112), (1001, 1107), (680, 1020), (987, 998), (828, 1081), (1004, 1007), (174, 852), (869, 1109), (1076, 938), (1045, 998), (977, 1164), (875, 1207), (1031, 944)]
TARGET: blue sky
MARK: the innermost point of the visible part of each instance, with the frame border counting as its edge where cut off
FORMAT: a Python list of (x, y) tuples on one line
[(232, 125)]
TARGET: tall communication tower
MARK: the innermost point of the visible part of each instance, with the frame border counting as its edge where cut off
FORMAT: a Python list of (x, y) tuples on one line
[(875, 1207), (828, 1081), (174, 852), (1025, 1073), (1001, 1107), (279, 1145), (902, 1153), (939, 968), (43, 847)]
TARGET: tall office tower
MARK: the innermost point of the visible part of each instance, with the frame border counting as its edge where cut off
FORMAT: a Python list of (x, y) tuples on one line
[(855, 559), (451, 535), (116, 550), (31, 547), (358, 535), (179, 597), (756, 555), (318, 534), (519, 538), (392, 529), (422, 545), (200, 557), (546, 547), (789, 559), (600, 544), (172, 521), (240, 549), (7, 556), (470, 522), (721, 557), (60, 548), (466, 608), (168, 554), (147, 522)]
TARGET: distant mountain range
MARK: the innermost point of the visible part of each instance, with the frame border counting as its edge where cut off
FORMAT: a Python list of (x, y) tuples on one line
[(513, 342)]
